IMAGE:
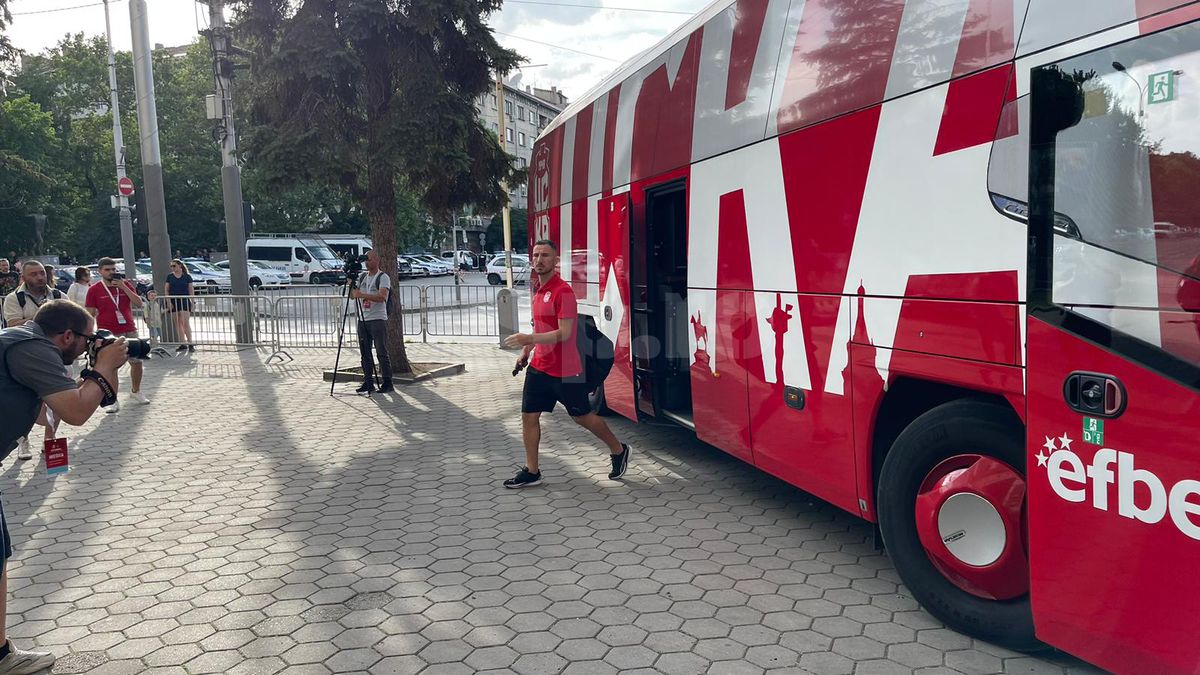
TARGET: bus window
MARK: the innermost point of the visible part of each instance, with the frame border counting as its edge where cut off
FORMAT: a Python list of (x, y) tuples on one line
[(1126, 174)]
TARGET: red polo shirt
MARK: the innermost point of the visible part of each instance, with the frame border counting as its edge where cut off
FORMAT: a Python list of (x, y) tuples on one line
[(108, 301), (552, 302)]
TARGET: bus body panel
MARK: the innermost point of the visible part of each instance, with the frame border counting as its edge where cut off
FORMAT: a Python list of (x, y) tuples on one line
[(842, 239)]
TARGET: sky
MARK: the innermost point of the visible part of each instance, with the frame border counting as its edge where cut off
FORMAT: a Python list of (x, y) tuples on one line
[(601, 37)]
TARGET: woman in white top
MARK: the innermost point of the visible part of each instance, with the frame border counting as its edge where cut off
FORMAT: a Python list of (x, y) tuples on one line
[(77, 293)]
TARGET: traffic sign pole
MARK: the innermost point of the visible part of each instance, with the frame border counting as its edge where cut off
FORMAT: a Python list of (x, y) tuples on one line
[(122, 205)]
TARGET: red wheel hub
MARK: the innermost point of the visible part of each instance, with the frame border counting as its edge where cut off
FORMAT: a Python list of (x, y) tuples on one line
[(970, 512)]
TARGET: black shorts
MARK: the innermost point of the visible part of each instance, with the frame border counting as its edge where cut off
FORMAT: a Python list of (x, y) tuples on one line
[(180, 305), (542, 391), (5, 541)]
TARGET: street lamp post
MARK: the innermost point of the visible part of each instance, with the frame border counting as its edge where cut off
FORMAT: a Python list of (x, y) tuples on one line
[(1120, 68)]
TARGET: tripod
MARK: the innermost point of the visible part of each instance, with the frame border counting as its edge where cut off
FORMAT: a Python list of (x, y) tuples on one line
[(349, 291)]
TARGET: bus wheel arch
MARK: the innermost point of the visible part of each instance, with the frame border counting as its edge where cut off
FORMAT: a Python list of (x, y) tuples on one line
[(958, 545)]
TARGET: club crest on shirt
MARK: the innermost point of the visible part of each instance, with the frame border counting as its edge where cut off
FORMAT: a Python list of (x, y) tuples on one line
[(546, 297)]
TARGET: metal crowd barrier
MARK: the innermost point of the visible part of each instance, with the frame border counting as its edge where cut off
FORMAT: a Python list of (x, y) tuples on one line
[(287, 321)]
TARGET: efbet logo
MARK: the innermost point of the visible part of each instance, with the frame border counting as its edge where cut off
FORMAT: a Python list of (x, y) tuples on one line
[(1072, 480)]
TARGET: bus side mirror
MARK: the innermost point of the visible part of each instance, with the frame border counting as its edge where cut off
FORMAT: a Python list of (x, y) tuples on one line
[(1058, 101)]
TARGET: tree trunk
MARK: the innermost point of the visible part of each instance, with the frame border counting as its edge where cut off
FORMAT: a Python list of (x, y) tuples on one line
[(381, 199)]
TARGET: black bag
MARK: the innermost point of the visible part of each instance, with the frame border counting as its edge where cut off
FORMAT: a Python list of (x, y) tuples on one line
[(595, 349)]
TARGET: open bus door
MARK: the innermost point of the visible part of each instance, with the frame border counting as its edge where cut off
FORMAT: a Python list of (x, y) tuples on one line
[(614, 318), (1113, 354)]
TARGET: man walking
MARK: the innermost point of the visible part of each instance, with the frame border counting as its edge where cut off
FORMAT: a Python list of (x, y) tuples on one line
[(112, 301), (372, 293), (555, 372)]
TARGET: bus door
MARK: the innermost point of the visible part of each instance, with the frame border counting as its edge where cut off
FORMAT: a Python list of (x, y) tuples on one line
[(614, 316), (1113, 353), (658, 276)]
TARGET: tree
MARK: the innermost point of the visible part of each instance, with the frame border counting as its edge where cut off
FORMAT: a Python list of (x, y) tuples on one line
[(518, 222), (388, 102)]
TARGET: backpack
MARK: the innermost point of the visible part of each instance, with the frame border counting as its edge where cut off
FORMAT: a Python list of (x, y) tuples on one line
[(595, 349), (55, 294)]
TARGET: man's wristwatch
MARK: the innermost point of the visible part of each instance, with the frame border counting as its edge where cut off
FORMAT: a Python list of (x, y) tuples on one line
[(110, 394)]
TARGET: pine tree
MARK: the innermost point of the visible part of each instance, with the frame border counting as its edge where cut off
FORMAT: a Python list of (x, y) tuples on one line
[(375, 97)]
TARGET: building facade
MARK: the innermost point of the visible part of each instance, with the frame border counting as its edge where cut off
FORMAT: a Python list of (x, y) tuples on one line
[(527, 111)]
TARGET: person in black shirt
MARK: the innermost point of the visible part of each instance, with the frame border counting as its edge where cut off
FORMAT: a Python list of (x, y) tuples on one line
[(179, 306)]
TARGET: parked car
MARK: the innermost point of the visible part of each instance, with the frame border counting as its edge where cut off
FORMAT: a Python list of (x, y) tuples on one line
[(442, 267), (404, 269), (63, 278), (419, 268), (207, 277), (261, 273), (496, 271)]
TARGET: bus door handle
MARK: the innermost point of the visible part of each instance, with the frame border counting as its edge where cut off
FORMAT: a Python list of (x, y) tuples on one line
[(1095, 394)]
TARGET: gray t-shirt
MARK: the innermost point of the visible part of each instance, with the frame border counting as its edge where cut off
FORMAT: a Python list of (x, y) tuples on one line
[(371, 283), (32, 369)]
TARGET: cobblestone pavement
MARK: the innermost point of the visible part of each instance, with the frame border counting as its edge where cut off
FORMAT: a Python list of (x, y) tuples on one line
[(247, 522)]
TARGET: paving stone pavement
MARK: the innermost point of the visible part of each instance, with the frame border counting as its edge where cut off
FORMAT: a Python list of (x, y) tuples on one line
[(247, 522)]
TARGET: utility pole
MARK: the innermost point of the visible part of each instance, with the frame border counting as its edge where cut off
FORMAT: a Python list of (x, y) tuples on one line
[(500, 112), (231, 175), (120, 201), (155, 204)]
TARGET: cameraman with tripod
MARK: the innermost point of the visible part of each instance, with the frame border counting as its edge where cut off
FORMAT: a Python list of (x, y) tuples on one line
[(372, 289), (33, 387)]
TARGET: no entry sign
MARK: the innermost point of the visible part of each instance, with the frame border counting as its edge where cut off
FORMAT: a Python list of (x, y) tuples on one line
[(125, 186)]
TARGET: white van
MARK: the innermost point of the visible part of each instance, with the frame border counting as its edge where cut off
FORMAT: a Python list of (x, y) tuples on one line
[(356, 245), (304, 257)]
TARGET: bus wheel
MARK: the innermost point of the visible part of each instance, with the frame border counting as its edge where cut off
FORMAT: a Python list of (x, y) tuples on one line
[(493, 279), (951, 505)]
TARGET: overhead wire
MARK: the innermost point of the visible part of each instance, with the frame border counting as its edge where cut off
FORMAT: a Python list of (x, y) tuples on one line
[(614, 9), (554, 46), (59, 9)]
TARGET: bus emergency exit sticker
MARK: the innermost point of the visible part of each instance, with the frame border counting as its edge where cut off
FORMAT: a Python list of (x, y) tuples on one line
[(1093, 431), (1161, 87)]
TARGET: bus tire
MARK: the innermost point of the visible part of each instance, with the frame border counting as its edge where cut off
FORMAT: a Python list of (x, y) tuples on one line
[(942, 456), (493, 278)]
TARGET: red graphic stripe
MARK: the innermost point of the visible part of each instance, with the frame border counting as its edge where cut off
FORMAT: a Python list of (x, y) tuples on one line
[(988, 36), (1155, 23), (747, 28), (583, 148), (661, 106), (841, 60), (825, 177), (610, 138), (579, 246), (971, 115)]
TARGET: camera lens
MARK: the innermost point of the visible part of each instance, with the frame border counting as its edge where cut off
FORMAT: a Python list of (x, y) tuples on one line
[(138, 349)]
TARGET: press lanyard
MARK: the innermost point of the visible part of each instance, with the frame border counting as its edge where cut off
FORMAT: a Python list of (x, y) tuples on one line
[(112, 296)]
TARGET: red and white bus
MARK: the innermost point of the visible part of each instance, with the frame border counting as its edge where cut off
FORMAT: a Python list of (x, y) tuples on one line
[(935, 262)]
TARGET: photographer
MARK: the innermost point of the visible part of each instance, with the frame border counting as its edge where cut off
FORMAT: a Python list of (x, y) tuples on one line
[(32, 360), (112, 301), (372, 294), (34, 291)]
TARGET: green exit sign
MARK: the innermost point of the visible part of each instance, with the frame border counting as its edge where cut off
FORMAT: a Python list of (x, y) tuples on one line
[(1161, 87), (1093, 431)]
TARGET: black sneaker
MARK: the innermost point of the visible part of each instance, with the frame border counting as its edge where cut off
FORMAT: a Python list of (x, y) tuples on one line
[(180, 349), (191, 349), (620, 463), (366, 388), (523, 479), (386, 387)]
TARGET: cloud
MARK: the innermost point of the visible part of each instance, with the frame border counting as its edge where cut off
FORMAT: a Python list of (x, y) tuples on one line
[(615, 34)]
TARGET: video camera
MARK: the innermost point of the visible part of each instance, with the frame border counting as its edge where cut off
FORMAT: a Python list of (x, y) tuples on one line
[(136, 348), (353, 266)]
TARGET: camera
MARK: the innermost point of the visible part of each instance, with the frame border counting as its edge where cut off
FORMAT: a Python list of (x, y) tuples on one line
[(137, 349), (117, 276), (353, 266)]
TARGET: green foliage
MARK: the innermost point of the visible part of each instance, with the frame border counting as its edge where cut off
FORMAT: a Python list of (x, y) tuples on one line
[(518, 222)]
